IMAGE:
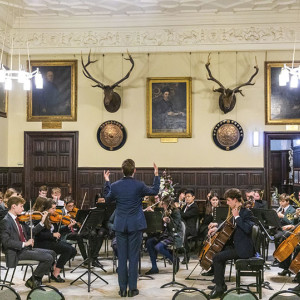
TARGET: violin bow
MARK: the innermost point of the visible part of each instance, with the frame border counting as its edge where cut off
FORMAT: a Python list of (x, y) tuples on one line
[(30, 218), (83, 200)]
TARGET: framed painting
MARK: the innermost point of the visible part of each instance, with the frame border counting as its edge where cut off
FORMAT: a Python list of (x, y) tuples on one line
[(3, 101), (169, 107), (282, 102), (57, 100)]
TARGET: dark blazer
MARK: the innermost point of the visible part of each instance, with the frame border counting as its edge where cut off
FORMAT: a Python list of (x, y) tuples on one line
[(288, 216), (128, 194), (190, 218), (242, 236), (11, 243), (175, 228)]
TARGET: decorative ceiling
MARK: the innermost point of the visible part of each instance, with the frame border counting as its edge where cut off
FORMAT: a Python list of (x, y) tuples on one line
[(68, 26), (31, 8)]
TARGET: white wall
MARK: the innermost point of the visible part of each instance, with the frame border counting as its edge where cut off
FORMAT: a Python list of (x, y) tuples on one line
[(231, 68)]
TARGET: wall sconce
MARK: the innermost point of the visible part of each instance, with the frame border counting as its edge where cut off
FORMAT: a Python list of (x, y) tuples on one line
[(255, 137)]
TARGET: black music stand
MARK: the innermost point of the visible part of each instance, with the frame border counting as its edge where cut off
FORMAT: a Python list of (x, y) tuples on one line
[(173, 282), (94, 218), (154, 226), (221, 214)]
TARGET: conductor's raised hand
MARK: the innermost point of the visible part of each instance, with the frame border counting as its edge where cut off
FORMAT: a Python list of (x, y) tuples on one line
[(155, 169), (106, 175)]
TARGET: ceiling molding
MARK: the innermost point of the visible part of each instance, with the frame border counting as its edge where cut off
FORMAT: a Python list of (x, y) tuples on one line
[(168, 39)]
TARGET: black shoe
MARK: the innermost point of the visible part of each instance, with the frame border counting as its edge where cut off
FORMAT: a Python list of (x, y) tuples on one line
[(208, 273), (212, 287), (56, 279), (123, 293), (284, 273), (32, 283), (132, 293), (275, 263), (295, 289), (296, 278), (184, 261), (152, 271), (177, 265), (215, 293), (96, 263)]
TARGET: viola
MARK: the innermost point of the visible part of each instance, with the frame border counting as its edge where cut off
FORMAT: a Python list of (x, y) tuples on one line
[(36, 215), (59, 218), (286, 248)]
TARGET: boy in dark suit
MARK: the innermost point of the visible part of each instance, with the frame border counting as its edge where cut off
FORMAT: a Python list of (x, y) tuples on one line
[(241, 244), (129, 221), (17, 246)]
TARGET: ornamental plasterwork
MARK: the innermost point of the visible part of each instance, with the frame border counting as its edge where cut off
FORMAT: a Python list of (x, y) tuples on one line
[(155, 39)]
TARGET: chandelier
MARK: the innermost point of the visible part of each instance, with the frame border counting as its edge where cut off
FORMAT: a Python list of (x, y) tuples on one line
[(290, 74), (7, 75)]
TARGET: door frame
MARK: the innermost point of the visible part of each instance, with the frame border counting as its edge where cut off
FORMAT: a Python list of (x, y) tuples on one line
[(51, 134)]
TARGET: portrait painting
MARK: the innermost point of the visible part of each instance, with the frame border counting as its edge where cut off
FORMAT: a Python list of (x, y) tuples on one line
[(3, 101), (169, 107), (57, 100), (282, 102)]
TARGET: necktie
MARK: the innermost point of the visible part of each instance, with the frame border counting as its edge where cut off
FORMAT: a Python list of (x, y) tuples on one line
[(21, 233)]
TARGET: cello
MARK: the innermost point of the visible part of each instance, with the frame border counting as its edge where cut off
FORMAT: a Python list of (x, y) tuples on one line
[(215, 243)]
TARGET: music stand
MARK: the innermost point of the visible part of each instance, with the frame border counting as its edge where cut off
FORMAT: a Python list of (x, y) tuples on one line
[(154, 226), (94, 218), (221, 214)]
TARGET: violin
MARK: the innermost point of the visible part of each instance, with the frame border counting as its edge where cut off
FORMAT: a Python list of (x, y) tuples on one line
[(36, 215), (73, 212), (59, 218)]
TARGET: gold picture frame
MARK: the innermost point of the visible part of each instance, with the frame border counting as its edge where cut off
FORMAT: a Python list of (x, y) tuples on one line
[(281, 102), (169, 107), (57, 101), (3, 101)]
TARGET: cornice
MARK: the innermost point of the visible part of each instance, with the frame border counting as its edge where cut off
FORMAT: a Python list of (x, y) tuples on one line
[(153, 39)]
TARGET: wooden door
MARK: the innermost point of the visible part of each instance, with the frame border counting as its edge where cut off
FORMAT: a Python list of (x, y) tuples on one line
[(50, 158)]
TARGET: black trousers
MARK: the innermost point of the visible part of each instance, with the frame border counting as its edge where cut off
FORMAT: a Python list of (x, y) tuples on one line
[(219, 264), (65, 250)]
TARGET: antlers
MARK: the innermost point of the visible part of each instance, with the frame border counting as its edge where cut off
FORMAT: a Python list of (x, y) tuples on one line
[(210, 75), (237, 89), (99, 84)]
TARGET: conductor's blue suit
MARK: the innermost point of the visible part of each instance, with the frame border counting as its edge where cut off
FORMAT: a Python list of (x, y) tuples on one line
[(129, 223)]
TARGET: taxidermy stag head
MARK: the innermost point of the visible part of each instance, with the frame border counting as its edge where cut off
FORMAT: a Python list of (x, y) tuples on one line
[(112, 100), (227, 98)]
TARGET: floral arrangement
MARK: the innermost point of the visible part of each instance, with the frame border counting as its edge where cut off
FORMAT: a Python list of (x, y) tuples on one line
[(166, 185)]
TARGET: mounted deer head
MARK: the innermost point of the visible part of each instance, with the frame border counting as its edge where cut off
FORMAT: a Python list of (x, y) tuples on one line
[(112, 100), (227, 98)]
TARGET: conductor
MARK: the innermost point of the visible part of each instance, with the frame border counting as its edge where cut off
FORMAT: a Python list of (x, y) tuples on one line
[(129, 221)]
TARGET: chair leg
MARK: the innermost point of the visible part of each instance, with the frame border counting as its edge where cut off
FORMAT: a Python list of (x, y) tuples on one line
[(12, 276), (230, 271), (25, 272), (238, 279), (6, 274)]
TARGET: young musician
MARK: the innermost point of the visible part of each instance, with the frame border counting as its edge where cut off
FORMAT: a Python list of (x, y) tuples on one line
[(189, 214), (16, 243), (49, 238), (240, 246), (56, 194), (172, 234)]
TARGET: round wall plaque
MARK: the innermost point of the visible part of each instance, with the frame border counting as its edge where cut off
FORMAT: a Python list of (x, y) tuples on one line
[(228, 134), (111, 135)]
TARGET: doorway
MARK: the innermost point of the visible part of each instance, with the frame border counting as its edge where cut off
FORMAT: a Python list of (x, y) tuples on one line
[(281, 164)]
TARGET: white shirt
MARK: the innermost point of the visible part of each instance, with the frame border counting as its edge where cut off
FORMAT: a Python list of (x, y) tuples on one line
[(14, 218)]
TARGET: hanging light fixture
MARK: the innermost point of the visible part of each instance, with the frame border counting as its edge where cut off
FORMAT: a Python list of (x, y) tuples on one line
[(290, 74), (7, 75)]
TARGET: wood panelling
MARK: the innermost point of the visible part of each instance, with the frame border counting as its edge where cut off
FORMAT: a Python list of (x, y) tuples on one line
[(201, 180), (11, 177)]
